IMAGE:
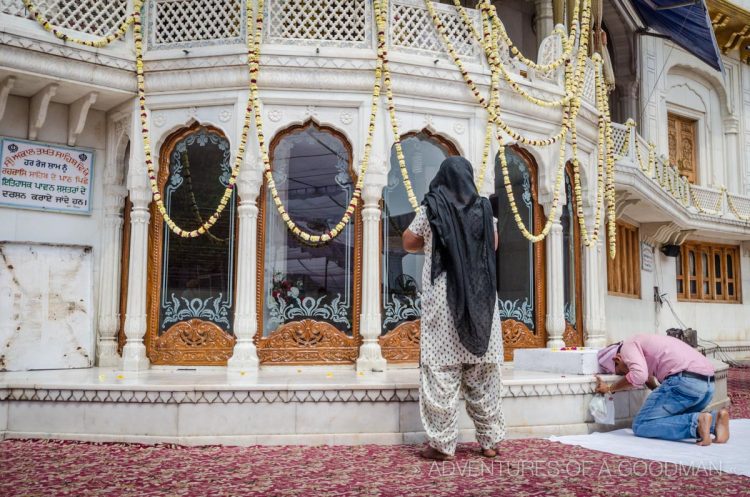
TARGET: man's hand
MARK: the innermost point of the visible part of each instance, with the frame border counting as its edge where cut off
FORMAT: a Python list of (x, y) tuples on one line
[(602, 386), (651, 383)]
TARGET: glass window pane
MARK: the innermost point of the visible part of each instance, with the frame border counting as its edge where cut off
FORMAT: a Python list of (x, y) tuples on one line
[(730, 289), (693, 288), (704, 264), (691, 263), (679, 264), (718, 288), (569, 253), (198, 272), (515, 256), (311, 168), (402, 272), (730, 266), (717, 265), (680, 286)]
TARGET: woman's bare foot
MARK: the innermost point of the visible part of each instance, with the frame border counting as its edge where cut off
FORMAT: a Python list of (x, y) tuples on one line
[(434, 454), (488, 452), (722, 427), (704, 429)]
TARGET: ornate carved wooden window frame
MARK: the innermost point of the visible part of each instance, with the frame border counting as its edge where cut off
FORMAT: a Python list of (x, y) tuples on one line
[(401, 344), (573, 335), (711, 295), (308, 342), (516, 335), (624, 272), (677, 122), (216, 345), (124, 272)]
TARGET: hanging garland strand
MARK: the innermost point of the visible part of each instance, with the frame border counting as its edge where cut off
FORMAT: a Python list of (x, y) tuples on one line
[(138, 39), (97, 43), (255, 105)]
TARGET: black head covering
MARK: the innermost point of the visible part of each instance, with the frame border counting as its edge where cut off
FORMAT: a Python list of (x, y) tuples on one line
[(463, 247)]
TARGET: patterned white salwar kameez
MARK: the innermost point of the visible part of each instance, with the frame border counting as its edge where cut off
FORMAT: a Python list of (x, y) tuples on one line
[(447, 367)]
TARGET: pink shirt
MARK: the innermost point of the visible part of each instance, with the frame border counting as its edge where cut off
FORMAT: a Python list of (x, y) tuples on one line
[(660, 356)]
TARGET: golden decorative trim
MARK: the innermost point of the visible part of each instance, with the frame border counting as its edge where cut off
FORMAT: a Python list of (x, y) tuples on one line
[(193, 342), (401, 344), (308, 342), (517, 335), (571, 336), (731, 25)]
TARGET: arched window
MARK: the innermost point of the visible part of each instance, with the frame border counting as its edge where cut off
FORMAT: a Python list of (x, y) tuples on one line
[(573, 335), (309, 297), (191, 280), (124, 259), (402, 272), (520, 263)]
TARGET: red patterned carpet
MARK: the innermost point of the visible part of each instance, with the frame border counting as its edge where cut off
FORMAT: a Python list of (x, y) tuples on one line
[(527, 467), (738, 387)]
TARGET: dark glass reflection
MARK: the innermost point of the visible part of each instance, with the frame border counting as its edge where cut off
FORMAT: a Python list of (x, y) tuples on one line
[(311, 171), (515, 256), (569, 254), (402, 272), (197, 273)]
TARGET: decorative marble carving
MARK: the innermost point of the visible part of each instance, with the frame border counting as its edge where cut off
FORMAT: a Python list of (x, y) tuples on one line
[(46, 307), (346, 118)]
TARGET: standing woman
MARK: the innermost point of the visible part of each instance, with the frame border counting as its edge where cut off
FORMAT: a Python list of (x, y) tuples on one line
[(461, 346)]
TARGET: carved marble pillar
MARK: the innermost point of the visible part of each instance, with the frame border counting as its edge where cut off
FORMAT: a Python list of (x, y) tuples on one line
[(134, 353), (555, 286), (592, 289), (370, 355), (544, 18), (109, 277), (245, 355), (732, 162)]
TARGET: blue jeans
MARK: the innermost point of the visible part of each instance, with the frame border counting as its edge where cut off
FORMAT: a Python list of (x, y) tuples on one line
[(671, 411)]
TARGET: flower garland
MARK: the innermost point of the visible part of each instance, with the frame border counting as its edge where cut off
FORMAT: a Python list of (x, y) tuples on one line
[(254, 59), (194, 203), (156, 193), (574, 85), (97, 43), (733, 208)]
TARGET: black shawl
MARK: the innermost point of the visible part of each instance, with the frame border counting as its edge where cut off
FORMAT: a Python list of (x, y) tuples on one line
[(463, 247)]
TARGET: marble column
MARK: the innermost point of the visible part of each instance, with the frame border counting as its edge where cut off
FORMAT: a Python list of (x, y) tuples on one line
[(731, 141), (592, 288), (370, 355), (245, 355), (544, 18), (109, 277), (134, 353), (555, 323)]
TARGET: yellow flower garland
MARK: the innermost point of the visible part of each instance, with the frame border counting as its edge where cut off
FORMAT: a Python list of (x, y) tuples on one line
[(98, 43), (254, 69), (152, 176)]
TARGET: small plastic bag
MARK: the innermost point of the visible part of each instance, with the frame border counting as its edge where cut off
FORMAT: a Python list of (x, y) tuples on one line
[(603, 409)]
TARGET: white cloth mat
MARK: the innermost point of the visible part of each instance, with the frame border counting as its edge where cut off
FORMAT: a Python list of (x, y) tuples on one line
[(731, 457)]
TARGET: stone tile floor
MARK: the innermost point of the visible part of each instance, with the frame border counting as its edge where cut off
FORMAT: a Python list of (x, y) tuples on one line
[(525, 467)]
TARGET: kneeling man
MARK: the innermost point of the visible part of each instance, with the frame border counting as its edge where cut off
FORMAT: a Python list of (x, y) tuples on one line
[(686, 386)]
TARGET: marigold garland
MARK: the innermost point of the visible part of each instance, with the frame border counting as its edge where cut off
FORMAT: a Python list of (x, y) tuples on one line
[(98, 43), (268, 173)]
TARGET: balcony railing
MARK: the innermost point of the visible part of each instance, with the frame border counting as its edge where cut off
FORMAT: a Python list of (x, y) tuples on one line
[(634, 152)]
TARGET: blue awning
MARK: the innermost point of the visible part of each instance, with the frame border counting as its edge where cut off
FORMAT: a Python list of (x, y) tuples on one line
[(684, 22)]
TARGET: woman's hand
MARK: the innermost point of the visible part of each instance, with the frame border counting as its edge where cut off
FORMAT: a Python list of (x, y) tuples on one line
[(412, 243)]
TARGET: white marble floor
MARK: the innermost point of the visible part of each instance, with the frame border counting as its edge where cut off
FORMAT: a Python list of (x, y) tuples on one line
[(267, 378)]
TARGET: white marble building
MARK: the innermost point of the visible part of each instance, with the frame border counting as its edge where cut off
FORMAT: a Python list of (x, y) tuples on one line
[(250, 297)]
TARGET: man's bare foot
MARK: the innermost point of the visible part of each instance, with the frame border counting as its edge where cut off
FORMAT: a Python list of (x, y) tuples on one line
[(488, 452), (434, 454), (722, 427), (704, 429)]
